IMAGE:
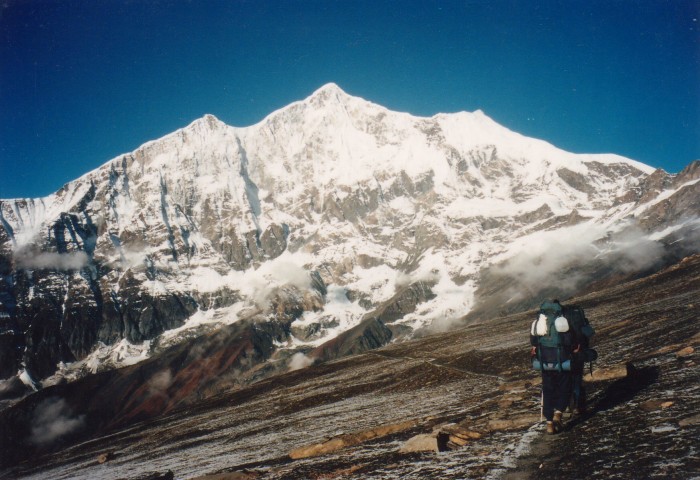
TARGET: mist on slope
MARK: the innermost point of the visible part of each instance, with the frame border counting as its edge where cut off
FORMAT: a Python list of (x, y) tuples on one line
[(299, 361), (260, 284), (27, 259), (53, 419), (562, 262)]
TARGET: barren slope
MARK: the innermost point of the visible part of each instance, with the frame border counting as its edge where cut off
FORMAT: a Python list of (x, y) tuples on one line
[(642, 425)]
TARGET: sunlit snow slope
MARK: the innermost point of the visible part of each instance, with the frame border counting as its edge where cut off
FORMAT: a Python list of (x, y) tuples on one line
[(334, 200)]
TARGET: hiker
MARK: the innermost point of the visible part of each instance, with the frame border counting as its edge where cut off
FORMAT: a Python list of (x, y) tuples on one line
[(552, 347), (582, 332)]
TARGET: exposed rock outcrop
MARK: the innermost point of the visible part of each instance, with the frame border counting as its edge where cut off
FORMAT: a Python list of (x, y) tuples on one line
[(371, 333)]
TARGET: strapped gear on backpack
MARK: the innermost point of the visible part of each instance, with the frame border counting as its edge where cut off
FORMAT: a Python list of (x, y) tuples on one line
[(551, 329)]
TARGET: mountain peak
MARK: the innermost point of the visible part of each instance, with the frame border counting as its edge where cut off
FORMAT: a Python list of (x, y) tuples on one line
[(329, 93), (329, 88), (208, 121)]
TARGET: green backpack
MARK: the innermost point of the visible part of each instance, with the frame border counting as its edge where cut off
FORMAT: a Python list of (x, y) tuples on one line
[(583, 333), (551, 354)]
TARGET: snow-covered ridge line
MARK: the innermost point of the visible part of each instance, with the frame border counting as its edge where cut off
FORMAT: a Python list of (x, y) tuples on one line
[(480, 129), (320, 215)]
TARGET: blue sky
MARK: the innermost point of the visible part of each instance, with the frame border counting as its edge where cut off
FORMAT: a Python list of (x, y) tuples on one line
[(84, 81)]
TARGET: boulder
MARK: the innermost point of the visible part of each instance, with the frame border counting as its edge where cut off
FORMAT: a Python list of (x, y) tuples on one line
[(425, 442), (685, 352), (459, 435), (347, 440), (105, 457)]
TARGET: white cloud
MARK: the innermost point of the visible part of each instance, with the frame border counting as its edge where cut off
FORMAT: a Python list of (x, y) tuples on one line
[(53, 419), (566, 258), (635, 251), (543, 256), (53, 260), (260, 284), (299, 361), (159, 382)]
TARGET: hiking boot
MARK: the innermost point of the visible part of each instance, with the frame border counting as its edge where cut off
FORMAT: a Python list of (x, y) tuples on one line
[(556, 422), (550, 428)]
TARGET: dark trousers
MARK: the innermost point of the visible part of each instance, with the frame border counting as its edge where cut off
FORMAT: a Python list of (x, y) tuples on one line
[(556, 391), (579, 391)]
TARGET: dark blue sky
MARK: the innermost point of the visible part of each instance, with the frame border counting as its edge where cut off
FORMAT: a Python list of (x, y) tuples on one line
[(83, 81)]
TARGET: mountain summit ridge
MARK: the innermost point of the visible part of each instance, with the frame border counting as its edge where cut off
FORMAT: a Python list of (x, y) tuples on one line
[(328, 213)]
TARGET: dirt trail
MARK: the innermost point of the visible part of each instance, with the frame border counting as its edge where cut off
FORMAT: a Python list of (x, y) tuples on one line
[(435, 363)]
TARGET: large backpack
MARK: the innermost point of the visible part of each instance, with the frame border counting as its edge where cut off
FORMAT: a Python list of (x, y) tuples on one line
[(552, 353), (583, 333)]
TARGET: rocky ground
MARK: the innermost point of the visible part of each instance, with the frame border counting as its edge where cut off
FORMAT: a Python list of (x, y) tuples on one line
[(461, 404)]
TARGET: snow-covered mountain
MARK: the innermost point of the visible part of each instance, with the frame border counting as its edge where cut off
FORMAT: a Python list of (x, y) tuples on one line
[(329, 212)]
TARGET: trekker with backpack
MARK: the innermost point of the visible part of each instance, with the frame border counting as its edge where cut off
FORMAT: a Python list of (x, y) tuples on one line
[(552, 341), (582, 332)]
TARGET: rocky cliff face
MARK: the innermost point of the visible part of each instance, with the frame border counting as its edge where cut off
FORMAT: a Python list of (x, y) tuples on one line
[(337, 198)]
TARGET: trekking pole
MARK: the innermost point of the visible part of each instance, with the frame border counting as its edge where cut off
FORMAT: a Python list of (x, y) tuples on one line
[(541, 405)]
